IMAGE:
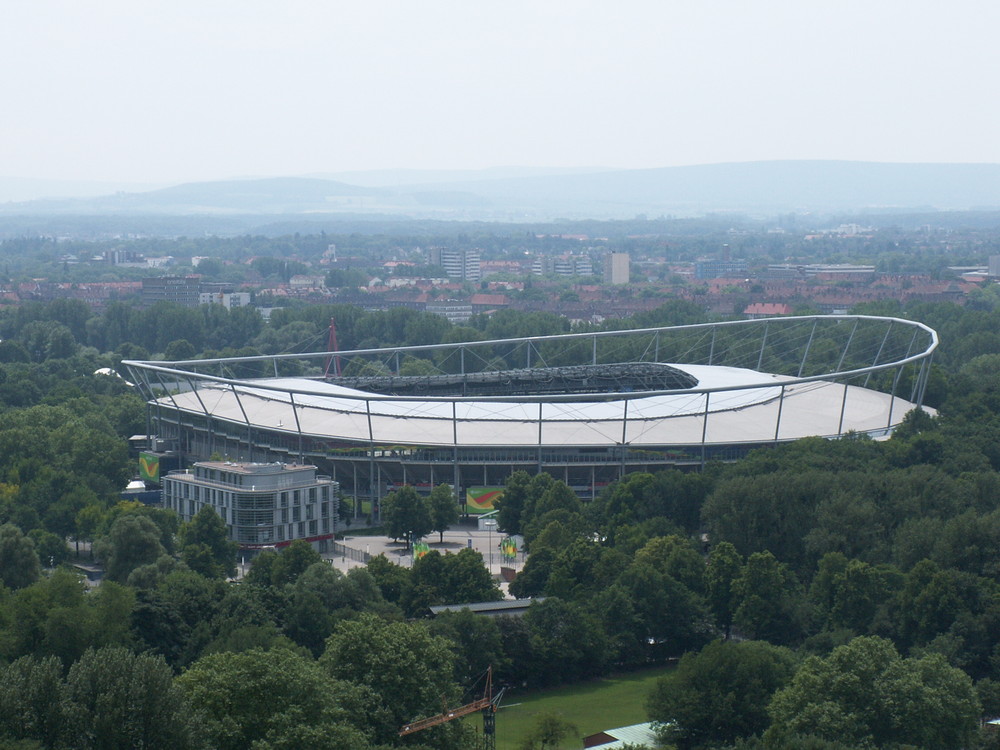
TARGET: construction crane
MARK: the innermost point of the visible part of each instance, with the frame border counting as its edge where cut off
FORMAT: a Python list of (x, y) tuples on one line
[(488, 704), (334, 348)]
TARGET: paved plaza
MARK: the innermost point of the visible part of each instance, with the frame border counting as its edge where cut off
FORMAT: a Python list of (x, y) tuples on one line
[(457, 538)]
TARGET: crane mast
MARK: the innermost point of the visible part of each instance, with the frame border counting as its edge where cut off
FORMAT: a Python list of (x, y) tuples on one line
[(488, 704)]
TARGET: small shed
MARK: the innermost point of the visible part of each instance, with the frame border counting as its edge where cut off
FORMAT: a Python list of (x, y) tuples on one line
[(636, 734)]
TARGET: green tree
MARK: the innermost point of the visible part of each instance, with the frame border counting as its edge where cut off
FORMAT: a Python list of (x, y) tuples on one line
[(444, 509), (771, 511), (293, 561), (583, 569), (392, 580), (409, 672), (768, 601), (19, 564), (720, 693), (475, 641), (449, 579), (28, 614), (858, 594), (179, 349), (205, 545), (405, 515), (567, 642), (272, 568), (676, 557), (865, 694), (545, 548), (32, 703), (511, 503), (118, 700), (282, 699), (724, 567), (549, 730), (557, 502), (413, 366), (88, 520), (673, 618), (133, 540)]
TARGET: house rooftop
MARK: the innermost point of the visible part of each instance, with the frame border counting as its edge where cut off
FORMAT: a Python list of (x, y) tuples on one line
[(490, 609)]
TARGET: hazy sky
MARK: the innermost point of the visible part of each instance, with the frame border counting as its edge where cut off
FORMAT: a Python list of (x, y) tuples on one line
[(151, 91)]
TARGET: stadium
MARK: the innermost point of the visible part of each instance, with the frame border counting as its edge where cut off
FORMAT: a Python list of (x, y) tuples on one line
[(584, 407)]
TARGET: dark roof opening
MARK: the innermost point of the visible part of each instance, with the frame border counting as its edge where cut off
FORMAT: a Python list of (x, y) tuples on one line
[(609, 378)]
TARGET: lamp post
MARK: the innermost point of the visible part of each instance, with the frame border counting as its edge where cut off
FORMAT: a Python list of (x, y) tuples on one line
[(490, 524)]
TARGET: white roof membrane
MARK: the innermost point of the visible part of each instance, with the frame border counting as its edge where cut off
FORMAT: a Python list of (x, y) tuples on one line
[(750, 409)]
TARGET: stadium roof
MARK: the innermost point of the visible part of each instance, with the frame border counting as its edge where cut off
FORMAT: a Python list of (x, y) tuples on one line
[(587, 406), (743, 407)]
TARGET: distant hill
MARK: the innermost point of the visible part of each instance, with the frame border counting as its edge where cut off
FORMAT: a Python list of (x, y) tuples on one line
[(759, 188), (27, 189), (404, 177), (775, 186)]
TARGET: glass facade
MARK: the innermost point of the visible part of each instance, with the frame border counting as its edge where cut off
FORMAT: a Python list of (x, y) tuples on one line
[(254, 499)]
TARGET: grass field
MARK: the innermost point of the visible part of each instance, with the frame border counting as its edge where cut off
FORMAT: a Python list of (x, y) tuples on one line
[(615, 701)]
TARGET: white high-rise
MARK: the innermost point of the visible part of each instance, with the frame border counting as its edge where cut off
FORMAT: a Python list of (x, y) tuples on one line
[(458, 264), (616, 268)]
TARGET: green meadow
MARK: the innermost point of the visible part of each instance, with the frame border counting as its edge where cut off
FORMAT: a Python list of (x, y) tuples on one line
[(615, 701)]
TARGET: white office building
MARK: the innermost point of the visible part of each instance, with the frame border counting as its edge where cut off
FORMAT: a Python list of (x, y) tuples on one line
[(262, 504)]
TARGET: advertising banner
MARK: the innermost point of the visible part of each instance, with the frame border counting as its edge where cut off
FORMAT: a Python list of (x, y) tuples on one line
[(479, 500), (149, 467)]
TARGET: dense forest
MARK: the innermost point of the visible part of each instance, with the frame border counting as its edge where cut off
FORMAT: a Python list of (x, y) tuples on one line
[(823, 594)]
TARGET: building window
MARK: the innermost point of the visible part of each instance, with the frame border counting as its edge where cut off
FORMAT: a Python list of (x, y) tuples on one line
[(296, 513), (284, 515), (312, 494), (302, 528), (313, 528), (284, 499), (310, 512), (326, 525)]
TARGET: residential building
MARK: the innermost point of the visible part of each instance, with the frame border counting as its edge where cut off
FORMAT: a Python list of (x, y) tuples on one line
[(184, 290), (838, 271), (567, 265), (455, 311), (457, 263), (720, 269), (616, 268), (766, 310), (994, 266), (262, 504), (228, 300), (486, 302)]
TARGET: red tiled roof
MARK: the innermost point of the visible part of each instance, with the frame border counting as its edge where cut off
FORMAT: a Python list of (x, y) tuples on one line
[(767, 308)]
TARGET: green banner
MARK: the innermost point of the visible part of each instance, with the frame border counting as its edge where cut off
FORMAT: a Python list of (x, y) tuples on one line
[(479, 500), (149, 467), (508, 548)]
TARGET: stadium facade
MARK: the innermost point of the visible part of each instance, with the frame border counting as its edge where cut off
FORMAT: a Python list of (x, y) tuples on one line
[(585, 407)]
